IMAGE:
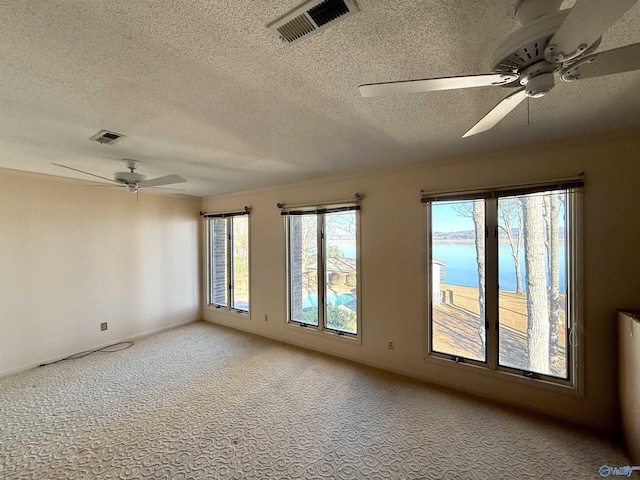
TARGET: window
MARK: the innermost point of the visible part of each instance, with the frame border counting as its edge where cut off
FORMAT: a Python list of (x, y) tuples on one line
[(322, 269), (228, 261), (502, 269)]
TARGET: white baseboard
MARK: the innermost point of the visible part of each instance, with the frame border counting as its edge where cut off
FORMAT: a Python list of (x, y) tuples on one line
[(96, 347)]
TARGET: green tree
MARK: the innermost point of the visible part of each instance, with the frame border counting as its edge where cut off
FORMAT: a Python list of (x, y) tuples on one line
[(337, 318), (341, 319)]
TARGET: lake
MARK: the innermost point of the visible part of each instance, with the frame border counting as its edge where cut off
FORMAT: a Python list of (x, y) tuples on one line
[(462, 267)]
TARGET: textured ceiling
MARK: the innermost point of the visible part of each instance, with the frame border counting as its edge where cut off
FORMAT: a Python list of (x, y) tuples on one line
[(204, 90)]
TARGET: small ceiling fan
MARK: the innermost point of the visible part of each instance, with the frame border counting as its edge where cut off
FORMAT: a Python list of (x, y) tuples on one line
[(549, 42), (131, 180)]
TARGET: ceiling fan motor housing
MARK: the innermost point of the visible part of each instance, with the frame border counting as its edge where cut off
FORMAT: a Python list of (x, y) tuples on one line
[(129, 177), (525, 46)]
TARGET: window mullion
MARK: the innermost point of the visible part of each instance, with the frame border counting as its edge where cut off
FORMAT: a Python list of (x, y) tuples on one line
[(574, 287), (491, 281), (287, 236), (229, 241), (209, 243), (321, 281)]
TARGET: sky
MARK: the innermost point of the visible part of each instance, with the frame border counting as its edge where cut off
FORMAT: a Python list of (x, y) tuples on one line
[(446, 219)]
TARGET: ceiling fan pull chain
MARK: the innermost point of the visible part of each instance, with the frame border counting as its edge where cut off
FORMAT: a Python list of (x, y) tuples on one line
[(528, 98)]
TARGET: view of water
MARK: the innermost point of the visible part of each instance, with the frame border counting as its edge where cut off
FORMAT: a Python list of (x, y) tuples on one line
[(462, 267), (311, 299), (348, 249)]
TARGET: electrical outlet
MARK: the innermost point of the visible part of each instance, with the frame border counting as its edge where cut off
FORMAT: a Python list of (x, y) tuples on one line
[(266, 318), (390, 344), (103, 326)]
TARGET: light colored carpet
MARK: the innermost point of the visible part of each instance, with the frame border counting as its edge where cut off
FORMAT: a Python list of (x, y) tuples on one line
[(202, 401)]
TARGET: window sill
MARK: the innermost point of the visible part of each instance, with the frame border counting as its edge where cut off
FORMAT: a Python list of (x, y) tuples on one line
[(354, 340), (228, 312), (572, 390)]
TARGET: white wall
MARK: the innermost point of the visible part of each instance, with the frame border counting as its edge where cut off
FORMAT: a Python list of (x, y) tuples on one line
[(393, 256), (629, 368), (73, 256)]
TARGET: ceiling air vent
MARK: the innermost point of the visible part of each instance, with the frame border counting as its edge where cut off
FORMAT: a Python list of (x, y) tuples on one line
[(105, 136), (310, 18)]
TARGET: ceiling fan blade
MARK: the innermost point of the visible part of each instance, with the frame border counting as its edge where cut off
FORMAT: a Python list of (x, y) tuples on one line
[(87, 173), (618, 60), (166, 180), (434, 84), (498, 112), (586, 22), (102, 185)]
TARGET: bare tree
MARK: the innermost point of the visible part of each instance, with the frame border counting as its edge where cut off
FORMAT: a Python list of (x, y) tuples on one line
[(475, 211), (309, 248), (240, 246), (537, 308), (303, 245), (342, 224), (510, 218), (551, 218)]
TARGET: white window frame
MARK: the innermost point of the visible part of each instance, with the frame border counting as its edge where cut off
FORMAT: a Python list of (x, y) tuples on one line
[(230, 288), (319, 211), (574, 384)]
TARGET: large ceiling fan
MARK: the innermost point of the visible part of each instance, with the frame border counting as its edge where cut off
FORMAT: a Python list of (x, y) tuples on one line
[(549, 43), (131, 180)]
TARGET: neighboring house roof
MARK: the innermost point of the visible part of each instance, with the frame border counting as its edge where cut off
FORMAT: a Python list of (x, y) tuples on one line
[(341, 265), (439, 262)]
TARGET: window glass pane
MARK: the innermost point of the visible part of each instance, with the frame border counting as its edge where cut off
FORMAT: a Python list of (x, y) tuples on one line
[(532, 282), (218, 281), (340, 271), (303, 268), (240, 281), (458, 278)]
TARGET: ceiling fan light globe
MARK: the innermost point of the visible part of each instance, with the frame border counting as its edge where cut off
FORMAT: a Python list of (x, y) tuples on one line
[(131, 163), (540, 85)]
